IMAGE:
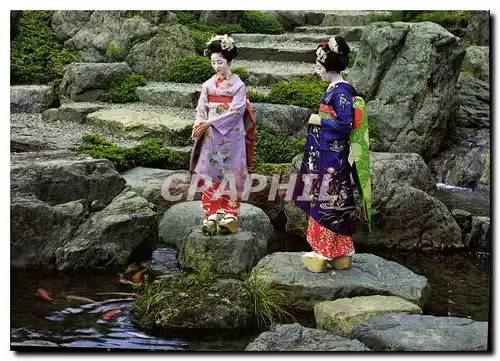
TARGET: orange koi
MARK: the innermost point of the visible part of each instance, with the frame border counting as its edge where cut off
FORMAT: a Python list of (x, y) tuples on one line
[(44, 294), (137, 277), (111, 314)]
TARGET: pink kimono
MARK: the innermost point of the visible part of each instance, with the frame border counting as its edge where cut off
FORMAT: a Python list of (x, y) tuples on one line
[(220, 153)]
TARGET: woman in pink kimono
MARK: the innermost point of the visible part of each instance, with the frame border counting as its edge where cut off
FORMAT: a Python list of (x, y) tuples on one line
[(224, 131)]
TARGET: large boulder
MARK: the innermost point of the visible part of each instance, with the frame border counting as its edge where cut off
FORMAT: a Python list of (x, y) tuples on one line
[(474, 102), (30, 98), (123, 231), (85, 82), (178, 221), (155, 56), (477, 61), (407, 73), (288, 120), (227, 255), (294, 337), (66, 23), (75, 212), (342, 315), (114, 36), (464, 164), (150, 183), (403, 332), (478, 27), (369, 275)]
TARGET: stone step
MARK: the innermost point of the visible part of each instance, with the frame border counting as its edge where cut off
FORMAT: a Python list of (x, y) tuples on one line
[(285, 51), (141, 121), (176, 95), (350, 17), (266, 73), (268, 38), (350, 33)]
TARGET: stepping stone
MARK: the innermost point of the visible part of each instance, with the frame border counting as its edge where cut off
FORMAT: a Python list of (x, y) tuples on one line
[(267, 73), (350, 17), (350, 33), (30, 98), (403, 332), (75, 112), (228, 255), (340, 316), (138, 124), (369, 275), (294, 337), (180, 219)]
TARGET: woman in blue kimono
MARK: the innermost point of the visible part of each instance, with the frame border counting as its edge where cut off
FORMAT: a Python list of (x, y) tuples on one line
[(330, 204)]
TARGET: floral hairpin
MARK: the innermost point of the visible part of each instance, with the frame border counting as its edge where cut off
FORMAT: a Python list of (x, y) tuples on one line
[(226, 42), (332, 44), (321, 55)]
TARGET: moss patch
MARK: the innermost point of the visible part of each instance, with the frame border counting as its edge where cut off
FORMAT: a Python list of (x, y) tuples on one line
[(151, 153)]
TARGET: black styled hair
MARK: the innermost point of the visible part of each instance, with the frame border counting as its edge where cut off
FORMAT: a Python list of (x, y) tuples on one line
[(339, 60), (216, 47)]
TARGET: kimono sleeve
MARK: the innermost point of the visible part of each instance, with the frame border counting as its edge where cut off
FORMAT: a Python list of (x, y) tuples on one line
[(202, 107), (343, 105), (227, 121)]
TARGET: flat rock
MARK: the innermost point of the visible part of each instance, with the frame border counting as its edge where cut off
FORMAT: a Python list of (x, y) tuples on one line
[(294, 337), (170, 94), (340, 316), (349, 33), (403, 332), (137, 124), (369, 275), (30, 98), (178, 221), (77, 112)]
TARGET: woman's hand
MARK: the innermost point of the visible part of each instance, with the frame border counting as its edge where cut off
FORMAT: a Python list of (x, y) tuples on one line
[(314, 119), (199, 129)]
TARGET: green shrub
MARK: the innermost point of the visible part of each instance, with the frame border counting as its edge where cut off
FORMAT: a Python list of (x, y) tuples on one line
[(392, 17), (150, 153), (36, 57), (124, 90), (258, 22), (257, 97), (271, 147), (352, 58), (188, 18), (306, 93), (200, 40), (242, 72), (194, 69)]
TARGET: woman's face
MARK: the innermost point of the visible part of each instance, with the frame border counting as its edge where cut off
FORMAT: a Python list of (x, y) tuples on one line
[(321, 71), (219, 64)]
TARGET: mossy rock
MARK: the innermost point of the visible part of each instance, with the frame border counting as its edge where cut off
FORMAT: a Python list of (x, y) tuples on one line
[(189, 303)]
